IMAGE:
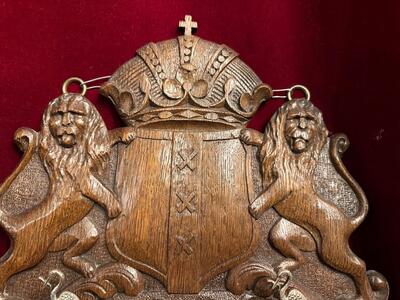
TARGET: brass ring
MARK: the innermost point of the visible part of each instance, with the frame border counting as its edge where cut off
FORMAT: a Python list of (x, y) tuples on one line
[(298, 87), (77, 80)]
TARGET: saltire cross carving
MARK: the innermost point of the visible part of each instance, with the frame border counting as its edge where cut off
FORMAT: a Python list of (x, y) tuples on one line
[(187, 202), (184, 243), (187, 160)]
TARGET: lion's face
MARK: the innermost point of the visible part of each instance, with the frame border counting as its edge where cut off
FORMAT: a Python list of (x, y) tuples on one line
[(293, 140), (68, 121), (300, 129), (73, 138)]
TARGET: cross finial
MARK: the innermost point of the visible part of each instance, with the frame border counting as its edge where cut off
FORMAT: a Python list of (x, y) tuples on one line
[(188, 25)]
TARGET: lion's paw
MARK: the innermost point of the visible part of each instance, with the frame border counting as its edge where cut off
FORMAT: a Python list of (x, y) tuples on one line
[(128, 135), (88, 269), (246, 136)]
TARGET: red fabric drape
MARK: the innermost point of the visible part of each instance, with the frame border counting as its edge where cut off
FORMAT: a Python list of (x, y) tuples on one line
[(345, 52)]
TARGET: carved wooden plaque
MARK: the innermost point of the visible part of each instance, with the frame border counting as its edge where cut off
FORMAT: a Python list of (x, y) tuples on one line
[(184, 202)]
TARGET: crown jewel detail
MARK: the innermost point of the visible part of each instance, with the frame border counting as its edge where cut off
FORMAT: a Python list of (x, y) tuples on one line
[(186, 78)]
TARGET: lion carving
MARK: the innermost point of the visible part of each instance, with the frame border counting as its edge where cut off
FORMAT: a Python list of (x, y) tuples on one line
[(74, 145), (289, 151)]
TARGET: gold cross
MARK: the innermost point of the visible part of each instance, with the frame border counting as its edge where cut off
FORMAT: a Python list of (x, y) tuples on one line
[(188, 25)]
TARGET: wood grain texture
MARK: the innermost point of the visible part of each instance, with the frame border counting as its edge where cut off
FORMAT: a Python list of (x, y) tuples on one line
[(289, 153), (179, 243), (184, 202)]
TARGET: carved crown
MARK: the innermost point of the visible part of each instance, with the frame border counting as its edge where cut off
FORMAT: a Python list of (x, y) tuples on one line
[(185, 79)]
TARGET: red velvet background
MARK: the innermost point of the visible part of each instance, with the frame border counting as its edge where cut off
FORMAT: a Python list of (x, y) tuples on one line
[(346, 52)]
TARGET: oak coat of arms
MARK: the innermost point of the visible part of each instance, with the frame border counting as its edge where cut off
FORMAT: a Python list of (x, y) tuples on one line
[(184, 202)]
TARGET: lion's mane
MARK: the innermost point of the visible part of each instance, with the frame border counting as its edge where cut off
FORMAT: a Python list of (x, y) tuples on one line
[(275, 153), (64, 164)]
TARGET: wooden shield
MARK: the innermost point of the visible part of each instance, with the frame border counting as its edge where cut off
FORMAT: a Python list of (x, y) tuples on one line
[(185, 198)]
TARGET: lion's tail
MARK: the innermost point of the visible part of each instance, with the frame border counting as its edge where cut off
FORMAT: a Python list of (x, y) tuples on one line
[(27, 140), (339, 143)]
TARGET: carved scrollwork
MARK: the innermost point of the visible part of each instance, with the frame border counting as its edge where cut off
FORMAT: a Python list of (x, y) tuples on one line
[(247, 103), (251, 276), (124, 100), (60, 277), (281, 284), (250, 103), (109, 280)]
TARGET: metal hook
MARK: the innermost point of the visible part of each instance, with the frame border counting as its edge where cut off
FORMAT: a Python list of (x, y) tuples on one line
[(299, 87), (94, 80), (289, 92), (97, 79), (67, 83), (82, 84), (280, 91)]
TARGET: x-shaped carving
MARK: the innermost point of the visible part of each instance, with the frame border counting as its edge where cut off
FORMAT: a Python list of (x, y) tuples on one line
[(187, 202), (187, 160), (184, 243)]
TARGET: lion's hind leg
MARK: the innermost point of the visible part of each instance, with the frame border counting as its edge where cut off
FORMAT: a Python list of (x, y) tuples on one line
[(21, 256), (290, 240), (77, 240), (27, 249), (336, 252)]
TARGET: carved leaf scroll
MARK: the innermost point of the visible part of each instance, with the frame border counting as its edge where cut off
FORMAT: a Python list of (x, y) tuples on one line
[(247, 276), (250, 103), (109, 280)]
